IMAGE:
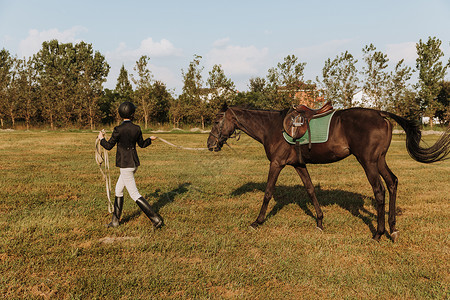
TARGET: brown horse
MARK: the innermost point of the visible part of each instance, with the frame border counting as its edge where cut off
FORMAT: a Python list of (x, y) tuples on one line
[(365, 133)]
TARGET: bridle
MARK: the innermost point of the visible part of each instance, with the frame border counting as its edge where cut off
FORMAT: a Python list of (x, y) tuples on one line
[(220, 138)]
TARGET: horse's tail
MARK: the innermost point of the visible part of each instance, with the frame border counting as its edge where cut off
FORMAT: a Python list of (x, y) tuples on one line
[(436, 152)]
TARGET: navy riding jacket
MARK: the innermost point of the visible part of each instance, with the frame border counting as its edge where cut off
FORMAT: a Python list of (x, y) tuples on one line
[(126, 136)]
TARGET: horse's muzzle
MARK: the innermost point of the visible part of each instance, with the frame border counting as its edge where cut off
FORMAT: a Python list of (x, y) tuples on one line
[(213, 144), (215, 147)]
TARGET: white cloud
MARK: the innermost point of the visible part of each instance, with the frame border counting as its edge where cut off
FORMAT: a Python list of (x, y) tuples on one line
[(33, 42), (406, 51), (237, 60), (128, 56), (163, 48)]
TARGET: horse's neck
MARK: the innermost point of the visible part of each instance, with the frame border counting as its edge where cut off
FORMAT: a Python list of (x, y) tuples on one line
[(257, 123)]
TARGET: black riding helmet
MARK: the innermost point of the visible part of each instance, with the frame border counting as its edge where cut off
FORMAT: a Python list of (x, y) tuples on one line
[(126, 110)]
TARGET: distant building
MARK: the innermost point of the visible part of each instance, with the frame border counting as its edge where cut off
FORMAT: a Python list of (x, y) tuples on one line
[(208, 94), (305, 93), (361, 99)]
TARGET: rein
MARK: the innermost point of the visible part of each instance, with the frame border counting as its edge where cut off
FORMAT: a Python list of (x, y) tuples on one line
[(101, 157)]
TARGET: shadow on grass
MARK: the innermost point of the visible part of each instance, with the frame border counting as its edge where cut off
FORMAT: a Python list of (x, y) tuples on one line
[(162, 200), (284, 195)]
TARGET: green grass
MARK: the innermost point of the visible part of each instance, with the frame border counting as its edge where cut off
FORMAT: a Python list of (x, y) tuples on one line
[(54, 243)]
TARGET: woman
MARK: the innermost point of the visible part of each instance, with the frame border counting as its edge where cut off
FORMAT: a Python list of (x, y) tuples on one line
[(126, 136)]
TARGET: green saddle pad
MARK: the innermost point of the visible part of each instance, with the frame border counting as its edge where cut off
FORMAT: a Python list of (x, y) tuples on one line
[(320, 128)]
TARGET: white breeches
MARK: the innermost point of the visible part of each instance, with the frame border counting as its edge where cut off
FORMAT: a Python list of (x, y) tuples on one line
[(126, 179)]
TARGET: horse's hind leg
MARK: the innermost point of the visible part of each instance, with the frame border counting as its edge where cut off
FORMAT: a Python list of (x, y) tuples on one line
[(391, 184), (304, 175), (373, 176), (274, 171)]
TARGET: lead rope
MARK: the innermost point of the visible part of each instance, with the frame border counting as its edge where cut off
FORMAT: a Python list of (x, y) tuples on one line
[(181, 147), (101, 157)]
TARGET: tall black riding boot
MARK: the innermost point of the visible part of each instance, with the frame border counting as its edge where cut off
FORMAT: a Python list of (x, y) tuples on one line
[(118, 205), (147, 209)]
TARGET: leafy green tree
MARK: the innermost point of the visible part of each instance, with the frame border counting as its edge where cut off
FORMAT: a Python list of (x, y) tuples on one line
[(258, 95), (123, 92), (23, 91), (431, 75), (12, 105), (257, 84), (444, 100), (92, 70), (221, 90), (30, 92), (6, 64), (108, 107), (143, 91), (340, 80), (177, 111), (399, 90), (193, 108), (376, 77), (284, 81), (54, 74), (123, 86), (161, 99)]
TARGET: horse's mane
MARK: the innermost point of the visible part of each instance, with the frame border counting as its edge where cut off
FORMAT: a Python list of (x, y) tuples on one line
[(258, 109)]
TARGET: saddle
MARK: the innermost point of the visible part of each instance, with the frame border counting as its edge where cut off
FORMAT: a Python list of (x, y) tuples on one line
[(296, 122)]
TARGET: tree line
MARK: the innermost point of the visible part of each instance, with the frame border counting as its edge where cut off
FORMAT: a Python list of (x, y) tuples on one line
[(62, 85)]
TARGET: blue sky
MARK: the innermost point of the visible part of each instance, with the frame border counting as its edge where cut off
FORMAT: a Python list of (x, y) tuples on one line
[(245, 37)]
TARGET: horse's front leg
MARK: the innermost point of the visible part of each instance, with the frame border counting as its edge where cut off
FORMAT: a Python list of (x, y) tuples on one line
[(274, 171)]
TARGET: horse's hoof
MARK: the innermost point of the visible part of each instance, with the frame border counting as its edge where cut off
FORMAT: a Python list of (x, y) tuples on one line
[(320, 229), (394, 235), (377, 237), (254, 225)]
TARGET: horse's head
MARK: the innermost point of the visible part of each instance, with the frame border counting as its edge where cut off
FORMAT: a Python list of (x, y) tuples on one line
[(223, 128)]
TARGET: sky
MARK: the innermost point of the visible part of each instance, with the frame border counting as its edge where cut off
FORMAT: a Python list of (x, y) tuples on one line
[(246, 37)]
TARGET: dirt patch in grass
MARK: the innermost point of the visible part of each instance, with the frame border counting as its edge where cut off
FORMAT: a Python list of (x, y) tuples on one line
[(110, 240)]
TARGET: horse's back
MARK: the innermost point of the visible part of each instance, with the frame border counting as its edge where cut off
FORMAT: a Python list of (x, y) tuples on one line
[(365, 131)]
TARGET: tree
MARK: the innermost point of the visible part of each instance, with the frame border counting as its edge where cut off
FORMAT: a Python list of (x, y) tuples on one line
[(143, 88), (123, 86), (191, 97), (221, 90), (399, 90), (6, 63), (340, 79), (161, 99), (431, 75), (55, 79), (70, 79), (123, 92), (177, 111), (284, 81), (444, 100), (108, 106), (92, 70), (257, 84), (258, 95), (23, 93), (376, 77), (13, 93)]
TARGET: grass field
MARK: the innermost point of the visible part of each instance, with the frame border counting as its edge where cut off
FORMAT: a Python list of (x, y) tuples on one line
[(54, 243)]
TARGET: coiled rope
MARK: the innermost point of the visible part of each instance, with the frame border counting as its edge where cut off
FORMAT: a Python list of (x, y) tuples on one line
[(101, 157)]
